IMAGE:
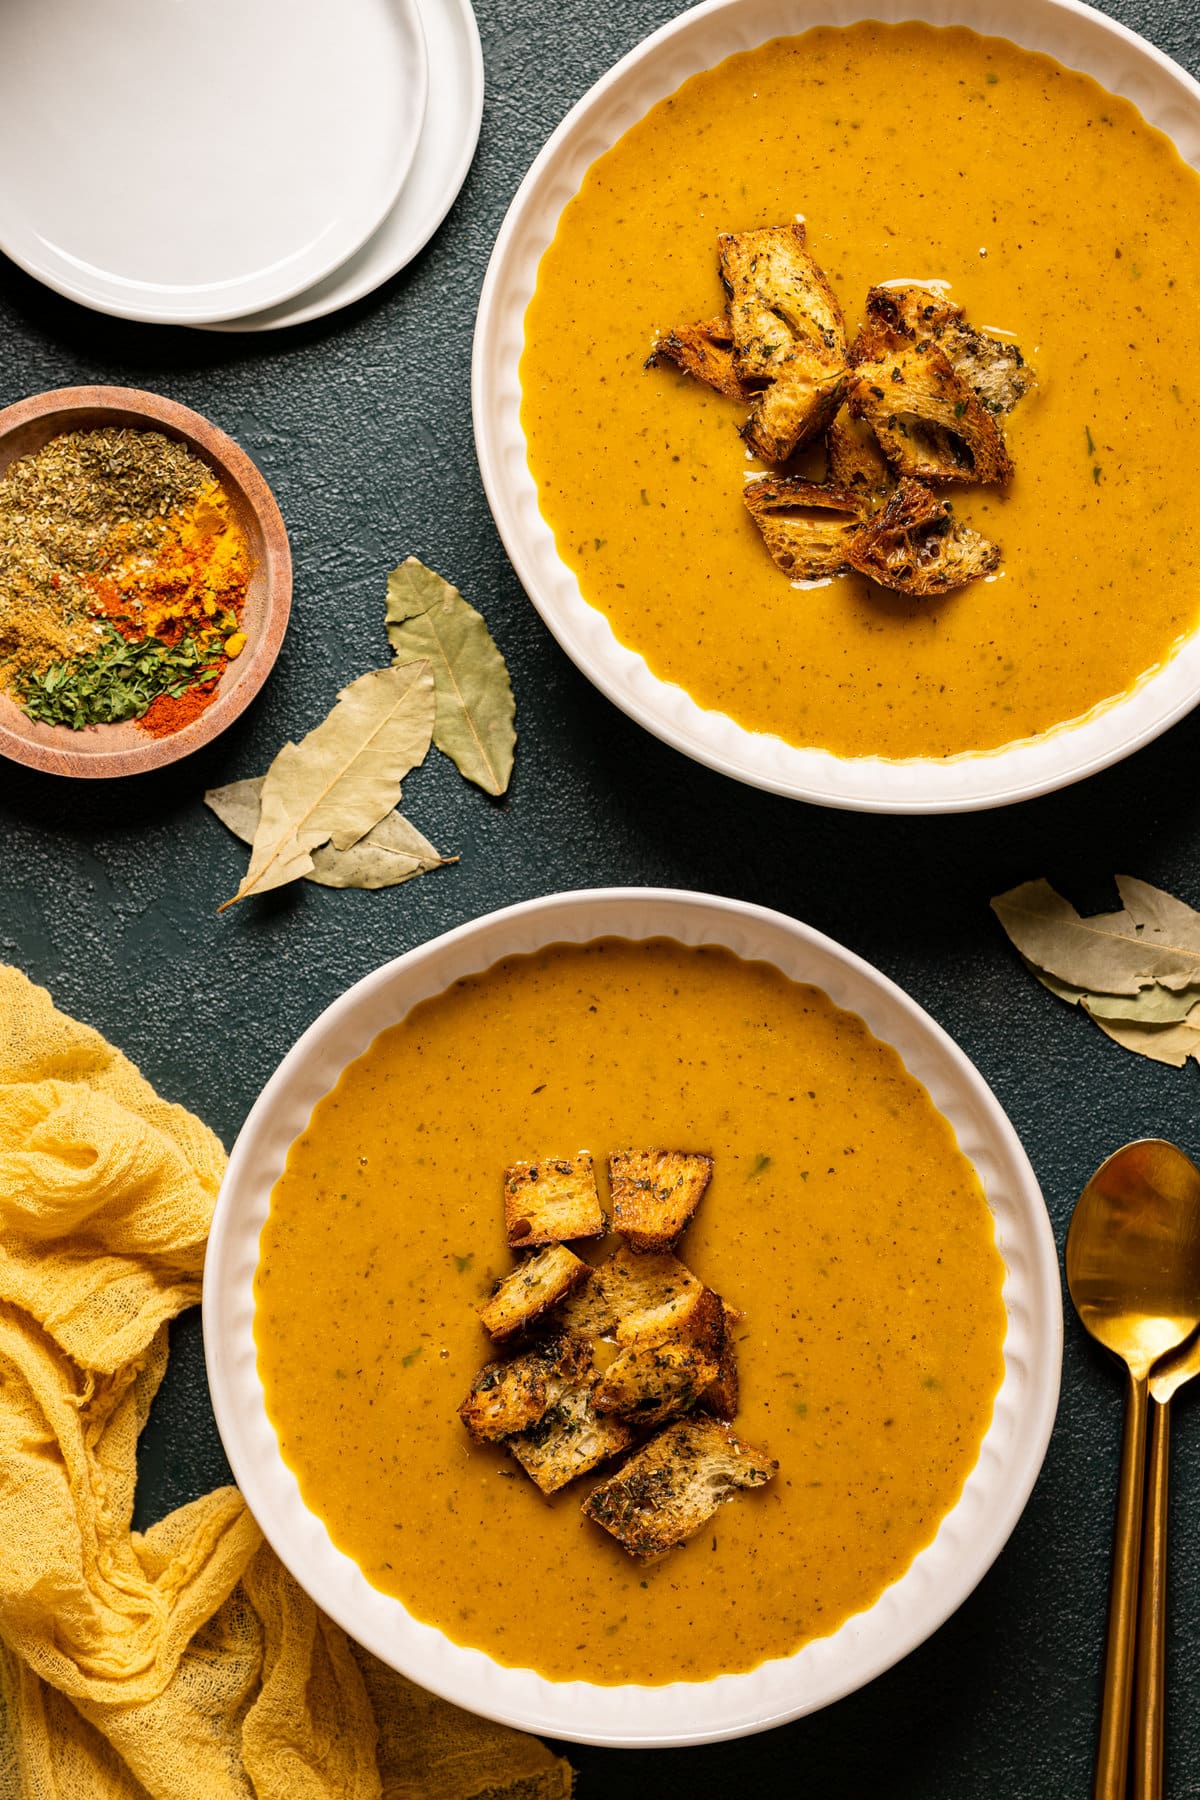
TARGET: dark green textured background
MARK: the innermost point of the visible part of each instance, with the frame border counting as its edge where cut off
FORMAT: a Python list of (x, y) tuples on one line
[(108, 891)]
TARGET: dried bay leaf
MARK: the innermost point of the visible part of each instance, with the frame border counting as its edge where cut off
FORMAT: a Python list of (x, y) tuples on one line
[(238, 805), (1162, 1043), (429, 618), (1136, 973), (1160, 914), (1123, 952), (337, 783), (1154, 1005), (391, 852)]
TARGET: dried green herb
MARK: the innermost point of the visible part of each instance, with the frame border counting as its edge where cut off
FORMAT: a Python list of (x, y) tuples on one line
[(1135, 973), (426, 617), (340, 781), (118, 680), (391, 852)]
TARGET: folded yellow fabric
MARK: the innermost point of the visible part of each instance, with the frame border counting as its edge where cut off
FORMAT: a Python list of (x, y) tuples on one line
[(183, 1663)]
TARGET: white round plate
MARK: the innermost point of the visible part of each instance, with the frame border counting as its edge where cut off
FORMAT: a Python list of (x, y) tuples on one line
[(970, 1536), (180, 161), (1075, 34), (439, 169)]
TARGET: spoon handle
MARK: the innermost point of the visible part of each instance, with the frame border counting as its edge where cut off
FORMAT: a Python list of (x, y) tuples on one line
[(1113, 1748), (1148, 1690)]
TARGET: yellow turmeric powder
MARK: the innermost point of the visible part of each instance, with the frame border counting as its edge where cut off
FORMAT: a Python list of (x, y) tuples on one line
[(190, 583)]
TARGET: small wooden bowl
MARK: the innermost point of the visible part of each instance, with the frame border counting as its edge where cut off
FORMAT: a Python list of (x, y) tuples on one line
[(101, 751)]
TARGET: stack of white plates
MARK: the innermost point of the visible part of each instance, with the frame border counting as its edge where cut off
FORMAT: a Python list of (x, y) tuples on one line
[(233, 164)]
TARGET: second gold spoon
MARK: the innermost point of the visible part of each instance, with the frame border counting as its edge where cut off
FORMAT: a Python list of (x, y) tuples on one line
[(1149, 1693)]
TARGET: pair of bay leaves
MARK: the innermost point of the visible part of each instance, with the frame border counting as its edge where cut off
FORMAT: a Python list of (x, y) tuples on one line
[(1135, 972), (325, 809)]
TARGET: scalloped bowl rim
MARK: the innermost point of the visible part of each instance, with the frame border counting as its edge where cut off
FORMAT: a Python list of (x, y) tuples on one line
[(1076, 35), (971, 1534)]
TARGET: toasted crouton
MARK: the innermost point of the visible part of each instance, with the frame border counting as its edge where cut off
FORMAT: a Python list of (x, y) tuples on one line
[(569, 1439), (720, 1397), (664, 1369), (995, 371), (649, 1384), (512, 1396), (629, 1293), (706, 353), (914, 545), (673, 1486), (650, 1291), (779, 301), (788, 332), (549, 1201), (928, 421), (589, 1310), (655, 1193), (532, 1288), (795, 408), (856, 463), (912, 312), (805, 528)]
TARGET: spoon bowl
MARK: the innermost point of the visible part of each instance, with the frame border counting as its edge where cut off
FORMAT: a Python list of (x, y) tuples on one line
[(1133, 1269), (1133, 1252)]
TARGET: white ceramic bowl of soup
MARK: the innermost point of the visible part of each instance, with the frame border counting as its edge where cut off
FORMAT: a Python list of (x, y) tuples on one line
[(970, 1536), (1073, 34)]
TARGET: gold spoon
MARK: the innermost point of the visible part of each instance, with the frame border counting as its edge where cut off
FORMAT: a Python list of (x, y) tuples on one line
[(1133, 1269), (1149, 1697)]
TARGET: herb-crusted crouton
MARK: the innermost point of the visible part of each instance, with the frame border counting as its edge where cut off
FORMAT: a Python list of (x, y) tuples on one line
[(664, 1369), (913, 312), (992, 368), (631, 1293), (650, 1291), (928, 422), (996, 372), (532, 1288), (806, 528), (720, 1397), (779, 301), (549, 1201), (655, 1193), (915, 546), (650, 1383), (795, 408), (512, 1396), (569, 1439), (669, 1489), (856, 463), (706, 353), (788, 333)]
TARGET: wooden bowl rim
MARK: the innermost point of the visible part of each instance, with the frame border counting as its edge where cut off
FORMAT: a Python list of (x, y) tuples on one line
[(221, 449)]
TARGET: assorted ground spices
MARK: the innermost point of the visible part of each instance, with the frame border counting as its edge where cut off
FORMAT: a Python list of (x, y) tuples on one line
[(123, 577)]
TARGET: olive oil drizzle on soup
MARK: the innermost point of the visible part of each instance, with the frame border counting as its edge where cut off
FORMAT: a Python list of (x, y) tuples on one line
[(1056, 213), (862, 1253)]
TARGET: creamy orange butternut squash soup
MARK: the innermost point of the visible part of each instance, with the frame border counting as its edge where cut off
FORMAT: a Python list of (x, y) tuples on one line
[(841, 1219), (1056, 215)]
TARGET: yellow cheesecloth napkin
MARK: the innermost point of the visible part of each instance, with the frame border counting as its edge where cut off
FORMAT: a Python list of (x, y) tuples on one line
[(183, 1663)]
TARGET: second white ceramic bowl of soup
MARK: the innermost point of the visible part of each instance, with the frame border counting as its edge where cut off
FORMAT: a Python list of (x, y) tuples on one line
[(1075, 35), (970, 1535)]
